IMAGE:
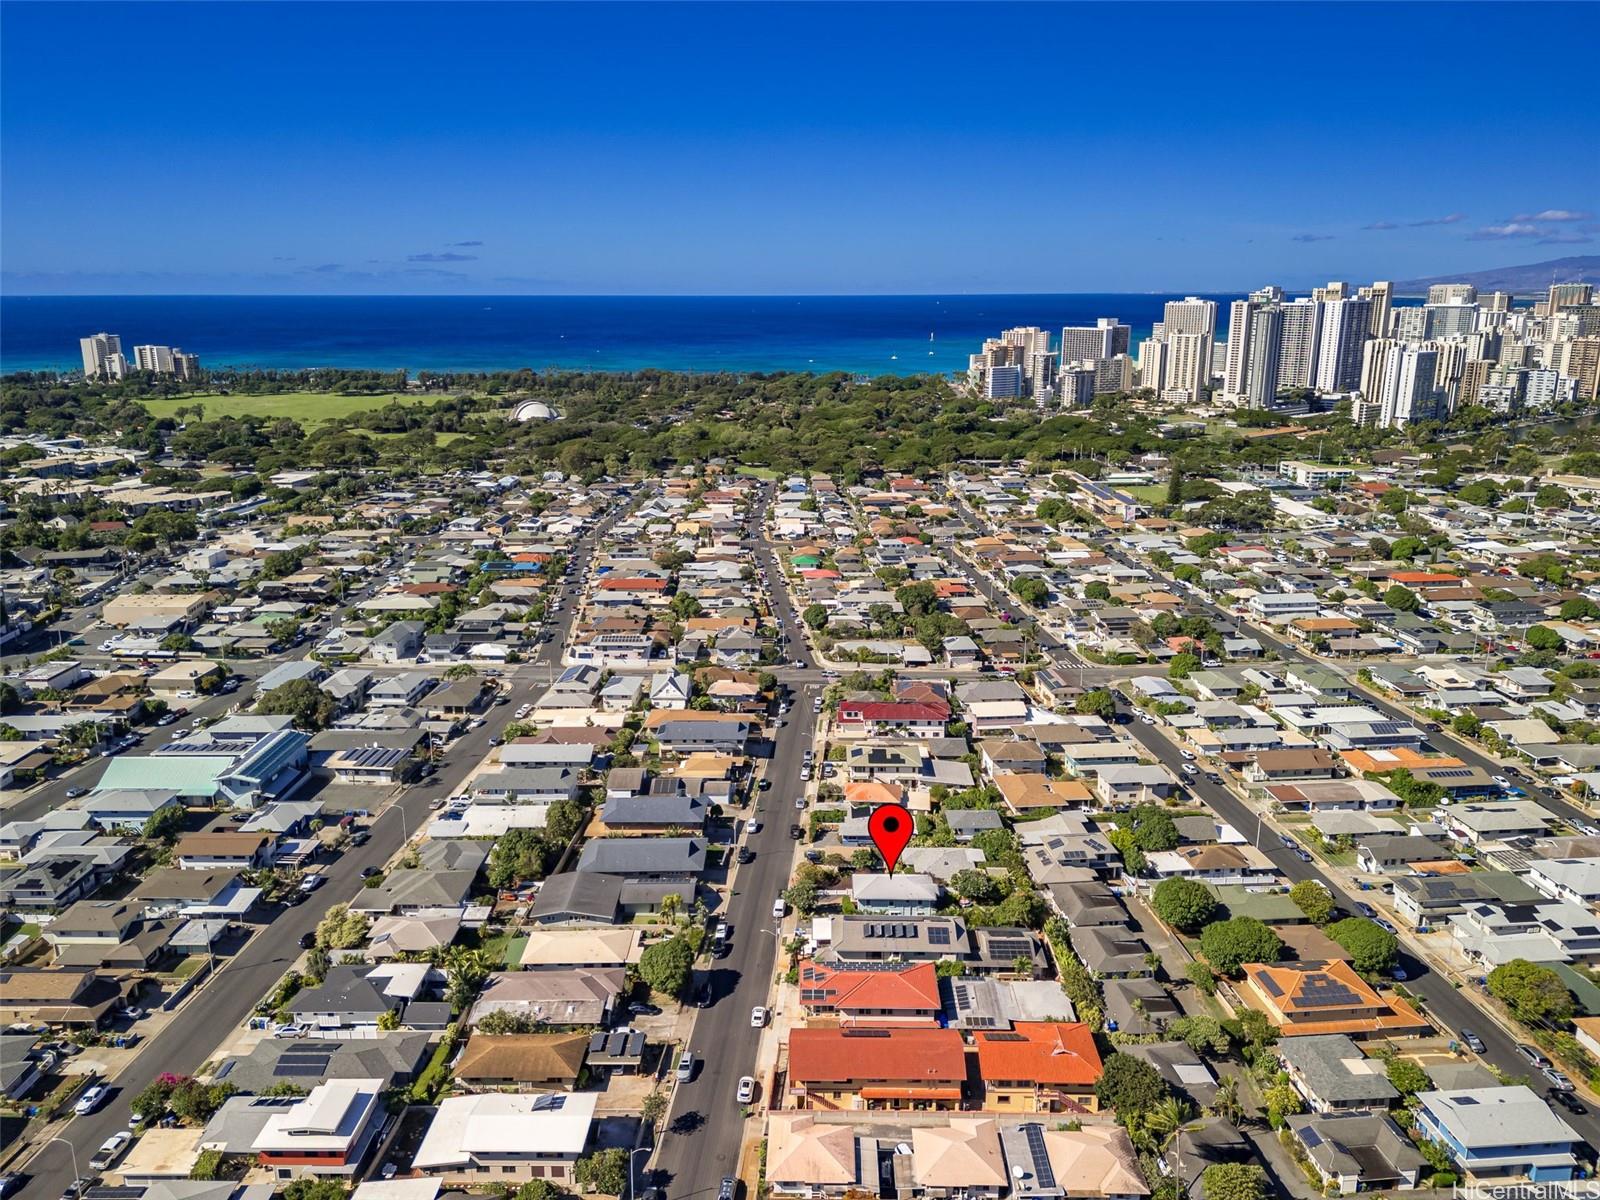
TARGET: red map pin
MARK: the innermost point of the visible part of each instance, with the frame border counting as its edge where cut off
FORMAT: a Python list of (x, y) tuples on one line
[(891, 828)]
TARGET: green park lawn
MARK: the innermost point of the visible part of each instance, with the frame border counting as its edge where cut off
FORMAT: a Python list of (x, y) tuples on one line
[(308, 408)]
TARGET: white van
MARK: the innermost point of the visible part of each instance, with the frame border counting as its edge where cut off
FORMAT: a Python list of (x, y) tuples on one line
[(686, 1067), (778, 908)]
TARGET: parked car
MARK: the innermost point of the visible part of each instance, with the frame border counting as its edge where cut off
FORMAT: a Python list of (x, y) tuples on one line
[(307, 940), (1557, 1079), (1569, 1102), (747, 1089), (10, 1183), (643, 1010), (74, 792), (111, 1150), (369, 872), (796, 832), (725, 1190), (758, 1017), (91, 1100), (1533, 1054), (1473, 1041)]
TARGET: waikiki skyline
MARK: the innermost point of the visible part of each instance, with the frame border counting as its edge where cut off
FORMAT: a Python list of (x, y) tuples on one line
[(775, 149)]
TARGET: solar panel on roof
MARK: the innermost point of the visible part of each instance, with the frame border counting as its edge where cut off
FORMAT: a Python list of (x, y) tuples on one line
[(1004, 1037), (1310, 1136), (865, 1033), (938, 935), (1042, 1170), (1270, 984)]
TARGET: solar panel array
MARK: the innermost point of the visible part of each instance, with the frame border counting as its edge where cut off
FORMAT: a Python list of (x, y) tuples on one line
[(938, 935), (1042, 1169), (1324, 991), (304, 1061)]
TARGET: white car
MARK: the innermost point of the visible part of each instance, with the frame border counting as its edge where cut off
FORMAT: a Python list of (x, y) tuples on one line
[(758, 1017), (1187, 754), (110, 1150), (751, 827), (1190, 769), (747, 1089), (90, 1100), (1500, 781)]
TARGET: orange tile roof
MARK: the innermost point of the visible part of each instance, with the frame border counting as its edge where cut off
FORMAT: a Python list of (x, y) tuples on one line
[(1043, 1051), (1393, 760), (914, 987), (826, 1056), (874, 791), (1325, 997)]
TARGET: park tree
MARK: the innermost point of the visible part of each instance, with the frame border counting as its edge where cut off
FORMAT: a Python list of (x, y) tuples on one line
[(1372, 948), (1534, 994), (1230, 944), (1185, 904), (1311, 898), (666, 965)]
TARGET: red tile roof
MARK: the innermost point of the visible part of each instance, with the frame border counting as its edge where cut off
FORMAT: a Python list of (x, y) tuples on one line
[(1043, 1051), (830, 1056), (888, 710), (913, 988), (634, 584)]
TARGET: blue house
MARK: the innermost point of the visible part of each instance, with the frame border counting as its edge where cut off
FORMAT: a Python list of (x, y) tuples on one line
[(1499, 1133)]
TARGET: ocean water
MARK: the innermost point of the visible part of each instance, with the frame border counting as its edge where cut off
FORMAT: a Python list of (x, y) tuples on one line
[(872, 335)]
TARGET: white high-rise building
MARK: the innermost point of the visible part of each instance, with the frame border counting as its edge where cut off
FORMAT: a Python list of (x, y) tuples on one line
[(1547, 387), (1106, 338), (1264, 359), (1408, 394), (1381, 294), (1452, 293), (1075, 385), (187, 366), (1297, 352), (1450, 320), (1004, 382), (102, 356), (1188, 365), (1344, 330), (1375, 356), (1153, 365), (1236, 358), (1193, 315), (154, 358)]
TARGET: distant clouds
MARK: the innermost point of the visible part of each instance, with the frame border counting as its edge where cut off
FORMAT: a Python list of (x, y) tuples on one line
[(466, 243), (1447, 219), (1553, 214), (446, 257), (1312, 237), (1538, 225)]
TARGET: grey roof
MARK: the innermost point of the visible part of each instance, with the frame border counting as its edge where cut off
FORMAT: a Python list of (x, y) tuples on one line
[(393, 1057), (1370, 1147), (346, 990), (1179, 1065), (644, 856), (417, 888), (1432, 892), (1107, 948), (1484, 1118), (579, 895), (453, 854), (669, 809), (1154, 1008), (1336, 1071)]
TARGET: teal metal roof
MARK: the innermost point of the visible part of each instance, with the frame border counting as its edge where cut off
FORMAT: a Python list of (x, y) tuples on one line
[(185, 774)]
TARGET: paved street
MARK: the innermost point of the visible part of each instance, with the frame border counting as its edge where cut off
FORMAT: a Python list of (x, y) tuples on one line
[(704, 1128)]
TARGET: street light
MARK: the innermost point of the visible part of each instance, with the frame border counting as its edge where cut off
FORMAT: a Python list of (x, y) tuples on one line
[(632, 1185), (71, 1149)]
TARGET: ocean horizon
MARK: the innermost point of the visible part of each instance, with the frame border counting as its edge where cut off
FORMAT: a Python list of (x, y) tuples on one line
[(873, 335)]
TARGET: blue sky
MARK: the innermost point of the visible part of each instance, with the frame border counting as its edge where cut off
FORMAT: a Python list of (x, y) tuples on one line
[(829, 148)]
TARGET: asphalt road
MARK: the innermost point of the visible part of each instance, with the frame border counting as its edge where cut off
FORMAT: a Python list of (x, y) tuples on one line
[(704, 1128), (227, 1000)]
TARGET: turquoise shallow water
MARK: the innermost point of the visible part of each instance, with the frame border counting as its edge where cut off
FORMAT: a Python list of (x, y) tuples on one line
[(860, 334)]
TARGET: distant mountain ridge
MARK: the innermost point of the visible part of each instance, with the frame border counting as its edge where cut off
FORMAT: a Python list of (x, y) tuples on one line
[(1532, 279)]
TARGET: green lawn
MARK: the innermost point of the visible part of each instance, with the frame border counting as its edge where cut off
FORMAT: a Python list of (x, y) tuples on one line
[(1150, 493), (309, 408)]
